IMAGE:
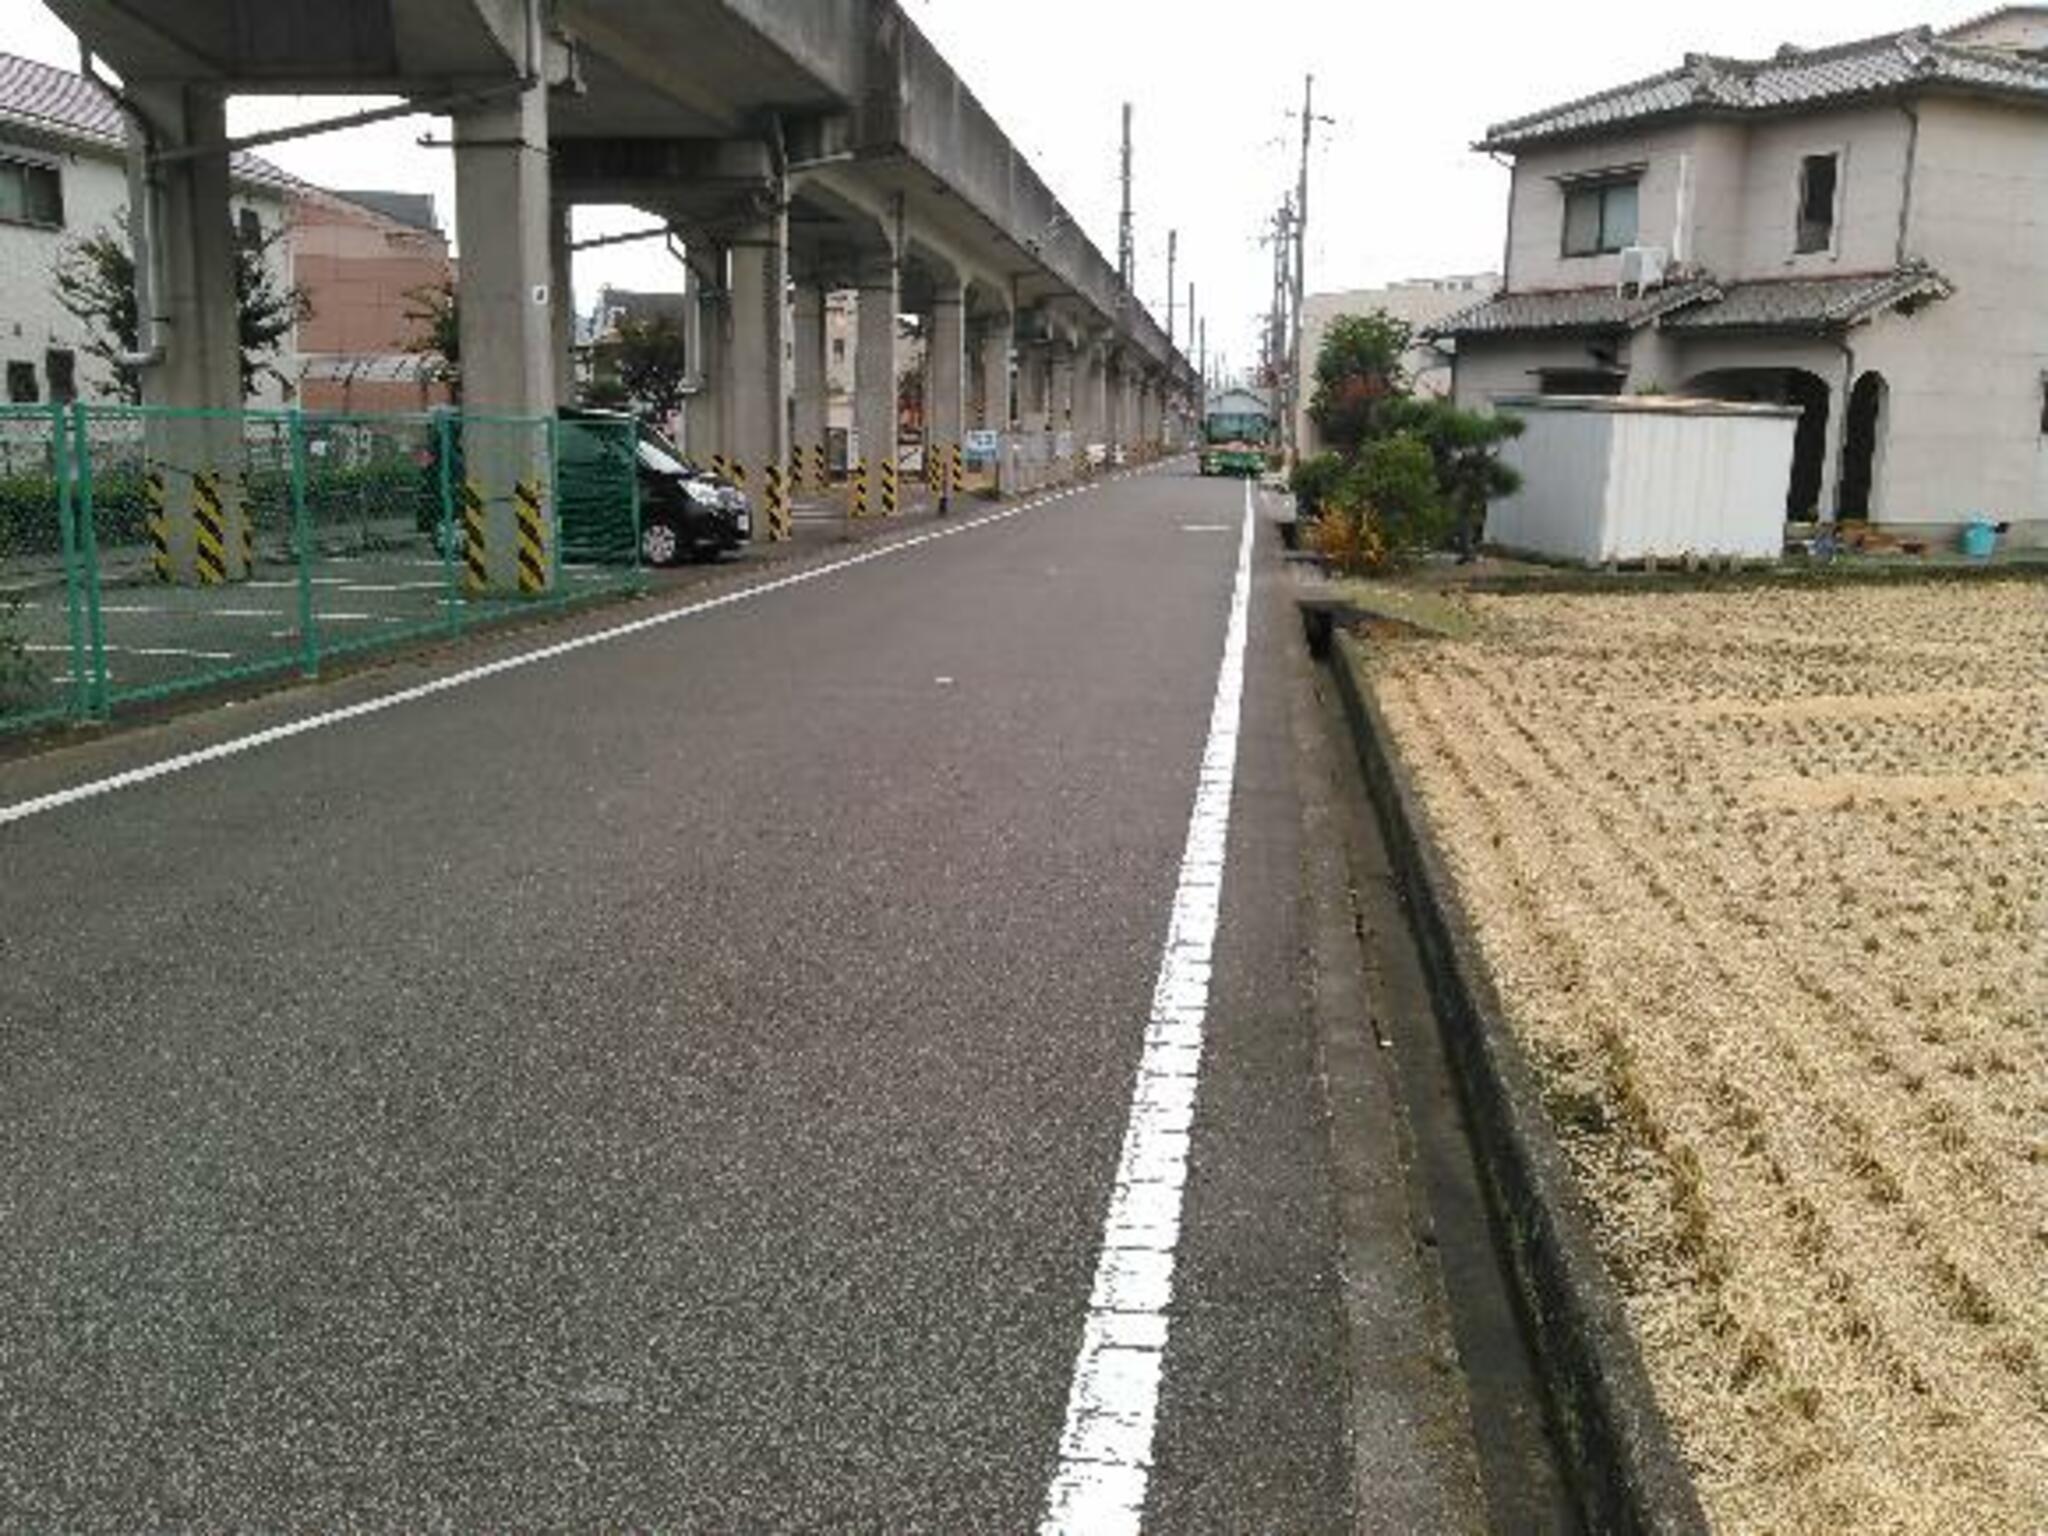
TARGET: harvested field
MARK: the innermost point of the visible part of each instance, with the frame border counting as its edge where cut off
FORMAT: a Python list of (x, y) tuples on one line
[(1762, 877)]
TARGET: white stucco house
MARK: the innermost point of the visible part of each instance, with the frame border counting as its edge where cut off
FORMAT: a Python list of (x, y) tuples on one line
[(1859, 230), (62, 177)]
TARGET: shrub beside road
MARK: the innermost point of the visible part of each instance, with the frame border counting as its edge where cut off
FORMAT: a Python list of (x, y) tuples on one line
[(1762, 878)]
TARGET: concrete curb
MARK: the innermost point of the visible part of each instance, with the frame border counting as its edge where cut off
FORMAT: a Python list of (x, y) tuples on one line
[(1628, 1473)]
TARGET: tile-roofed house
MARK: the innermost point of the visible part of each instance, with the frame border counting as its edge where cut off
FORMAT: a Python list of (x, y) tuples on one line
[(62, 178), (1791, 79), (1854, 229)]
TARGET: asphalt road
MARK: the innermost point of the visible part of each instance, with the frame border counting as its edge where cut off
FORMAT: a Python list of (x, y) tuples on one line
[(678, 1084)]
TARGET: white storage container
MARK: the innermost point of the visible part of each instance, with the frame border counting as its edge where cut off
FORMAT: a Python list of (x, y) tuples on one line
[(1628, 478)]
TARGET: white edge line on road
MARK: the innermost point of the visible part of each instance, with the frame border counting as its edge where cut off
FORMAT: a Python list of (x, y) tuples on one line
[(22, 810), (1106, 1445)]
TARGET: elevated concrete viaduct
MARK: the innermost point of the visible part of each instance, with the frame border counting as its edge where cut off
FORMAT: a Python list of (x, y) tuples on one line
[(798, 146)]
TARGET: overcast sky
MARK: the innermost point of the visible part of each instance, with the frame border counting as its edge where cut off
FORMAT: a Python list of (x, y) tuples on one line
[(1395, 190)]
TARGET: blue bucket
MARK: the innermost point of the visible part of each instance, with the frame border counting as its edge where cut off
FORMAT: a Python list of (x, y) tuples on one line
[(1979, 538)]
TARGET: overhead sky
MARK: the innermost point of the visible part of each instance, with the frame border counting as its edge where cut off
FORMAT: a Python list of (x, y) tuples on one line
[(1394, 191)]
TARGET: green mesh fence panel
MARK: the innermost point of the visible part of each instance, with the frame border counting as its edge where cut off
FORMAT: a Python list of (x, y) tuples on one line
[(43, 672), (145, 551)]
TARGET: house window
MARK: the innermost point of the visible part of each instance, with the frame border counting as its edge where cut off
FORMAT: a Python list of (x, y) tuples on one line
[(838, 349), (21, 383), (60, 367), (31, 193), (1818, 178), (1599, 217)]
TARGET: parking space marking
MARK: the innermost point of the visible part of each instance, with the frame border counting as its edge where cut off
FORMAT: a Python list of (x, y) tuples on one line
[(1105, 1448), (144, 650)]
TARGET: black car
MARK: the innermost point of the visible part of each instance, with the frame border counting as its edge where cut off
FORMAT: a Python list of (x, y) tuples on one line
[(685, 512)]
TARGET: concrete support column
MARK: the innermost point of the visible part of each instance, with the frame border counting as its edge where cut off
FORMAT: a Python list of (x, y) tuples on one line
[(704, 410), (1060, 408), (1034, 387), (810, 344), (757, 369), (874, 364), (196, 461), (562, 330), (1101, 426), (994, 362), (502, 221), (945, 402)]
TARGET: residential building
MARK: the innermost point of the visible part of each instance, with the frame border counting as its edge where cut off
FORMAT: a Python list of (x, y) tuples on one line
[(1860, 230), (364, 259), (1417, 303), (63, 178)]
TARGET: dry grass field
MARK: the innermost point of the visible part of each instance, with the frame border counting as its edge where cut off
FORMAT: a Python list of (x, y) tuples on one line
[(1762, 876)]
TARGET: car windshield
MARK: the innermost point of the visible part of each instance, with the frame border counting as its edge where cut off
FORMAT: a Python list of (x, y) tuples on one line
[(657, 458)]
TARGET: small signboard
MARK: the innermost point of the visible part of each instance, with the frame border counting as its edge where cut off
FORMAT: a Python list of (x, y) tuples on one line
[(980, 445)]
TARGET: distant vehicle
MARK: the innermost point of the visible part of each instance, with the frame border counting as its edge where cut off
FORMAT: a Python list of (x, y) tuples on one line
[(686, 511), (1237, 431)]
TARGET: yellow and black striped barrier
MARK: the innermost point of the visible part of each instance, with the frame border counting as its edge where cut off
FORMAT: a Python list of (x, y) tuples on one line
[(738, 472), (778, 505), (956, 474), (248, 520), (159, 525), (859, 491), (533, 548), (889, 474), (933, 457), (720, 467), (796, 470), (819, 476), (476, 575), (209, 535)]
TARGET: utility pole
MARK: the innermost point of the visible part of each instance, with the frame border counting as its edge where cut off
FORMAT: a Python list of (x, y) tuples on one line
[(1172, 251), (1126, 253), (1191, 317), (1203, 351), (1308, 124)]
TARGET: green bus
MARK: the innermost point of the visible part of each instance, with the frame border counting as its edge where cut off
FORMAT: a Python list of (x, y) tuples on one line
[(1237, 430)]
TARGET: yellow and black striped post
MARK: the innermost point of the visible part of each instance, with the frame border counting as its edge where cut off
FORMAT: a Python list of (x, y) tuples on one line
[(738, 472), (248, 521), (778, 505), (932, 454), (860, 488), (956, 474), (209, 533), (819, 476), (159, 525), (533, 548), (476, 575), (719, 467), (796, 470), (889, 474)]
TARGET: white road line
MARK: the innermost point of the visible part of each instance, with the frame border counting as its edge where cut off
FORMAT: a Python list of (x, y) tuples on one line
[(1106, 1447), (93, 789)]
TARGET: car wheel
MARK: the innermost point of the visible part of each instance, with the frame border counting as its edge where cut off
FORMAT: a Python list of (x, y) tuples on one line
[(661, 542)]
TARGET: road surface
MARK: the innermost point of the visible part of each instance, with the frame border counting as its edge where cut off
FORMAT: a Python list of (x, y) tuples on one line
[(680, 1081)]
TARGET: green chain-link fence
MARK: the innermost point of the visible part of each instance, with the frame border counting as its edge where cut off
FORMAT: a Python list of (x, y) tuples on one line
[(147, 551)]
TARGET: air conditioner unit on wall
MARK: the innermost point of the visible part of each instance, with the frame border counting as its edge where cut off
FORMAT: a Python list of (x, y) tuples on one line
[(1642, 266)]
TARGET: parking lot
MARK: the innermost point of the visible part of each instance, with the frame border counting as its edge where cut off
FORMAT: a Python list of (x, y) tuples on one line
[(159, 638)]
